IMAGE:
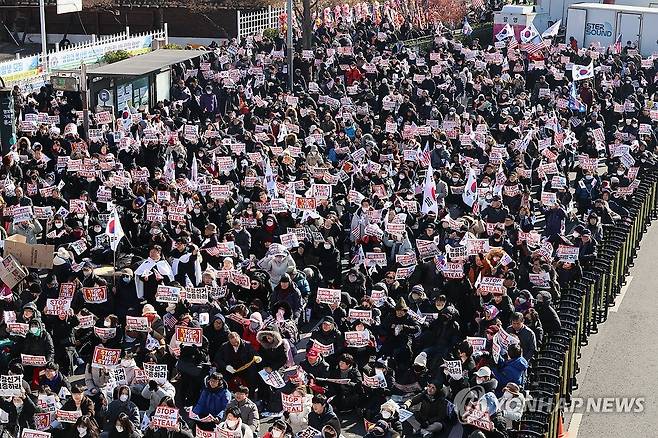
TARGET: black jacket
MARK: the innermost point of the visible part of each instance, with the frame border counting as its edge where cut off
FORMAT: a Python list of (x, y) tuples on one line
[(328, 417)]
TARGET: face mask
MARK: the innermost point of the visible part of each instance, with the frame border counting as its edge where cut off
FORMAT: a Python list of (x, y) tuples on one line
[(58, 224), (82, 431), (327, 246), (119, 428), (123, 397), (269, 223), (507, 395), (97, 229), (479, 380), (18, 404), (386, 415), (276, 433), (231, 423), (589, 177), (125, 279), (36, 331), (522, 300), (197, 211)]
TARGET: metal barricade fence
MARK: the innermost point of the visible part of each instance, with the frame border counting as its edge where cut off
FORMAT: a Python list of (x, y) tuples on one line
[(582, 306)]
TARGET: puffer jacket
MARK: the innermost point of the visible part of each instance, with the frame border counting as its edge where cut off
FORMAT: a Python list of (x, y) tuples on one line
[(275, 353), (212, 401), (41, 345)]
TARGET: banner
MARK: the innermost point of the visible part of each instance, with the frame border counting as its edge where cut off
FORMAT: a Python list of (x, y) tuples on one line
[(91, 54)]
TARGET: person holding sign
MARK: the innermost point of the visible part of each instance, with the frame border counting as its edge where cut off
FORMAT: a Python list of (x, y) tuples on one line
[(345, 384), (213, 399), (39, 344), (21, 410)]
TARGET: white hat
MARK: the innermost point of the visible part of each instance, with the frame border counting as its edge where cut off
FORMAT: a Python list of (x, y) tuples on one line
[(421, 359), (61, 256), (483, 372)]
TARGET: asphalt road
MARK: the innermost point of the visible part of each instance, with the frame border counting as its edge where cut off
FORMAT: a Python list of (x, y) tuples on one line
[(621, 360)]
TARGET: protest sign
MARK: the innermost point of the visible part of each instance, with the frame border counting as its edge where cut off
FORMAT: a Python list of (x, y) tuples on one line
[(356, 339), (157, 372), (31, 433), (273, 378), (361, 315), (67, 416), (137, 323), (95, 295), (292, 403), (328, 296), (165, 417), (35, 361), (189, 335), (167, 294), (105, 357), (10, 385)]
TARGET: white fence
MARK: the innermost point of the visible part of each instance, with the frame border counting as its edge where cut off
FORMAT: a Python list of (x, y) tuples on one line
[(31, 72), (250, 23)]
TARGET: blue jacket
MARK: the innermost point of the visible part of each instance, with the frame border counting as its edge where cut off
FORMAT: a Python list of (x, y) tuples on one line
[(212, 401), (511, 371)]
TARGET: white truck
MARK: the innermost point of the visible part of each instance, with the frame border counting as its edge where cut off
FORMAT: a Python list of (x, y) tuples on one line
[(549, 11), (593, 22)]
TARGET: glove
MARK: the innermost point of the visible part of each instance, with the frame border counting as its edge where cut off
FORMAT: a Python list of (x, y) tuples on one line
[(407, 404), (230, 369)]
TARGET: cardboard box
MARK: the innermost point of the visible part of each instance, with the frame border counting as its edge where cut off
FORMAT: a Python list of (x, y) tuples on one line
[(11, 271), (31, 256)]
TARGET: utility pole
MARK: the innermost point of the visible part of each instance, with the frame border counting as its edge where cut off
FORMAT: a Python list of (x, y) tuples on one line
[(44, 36), (289, 45), (85, 99)]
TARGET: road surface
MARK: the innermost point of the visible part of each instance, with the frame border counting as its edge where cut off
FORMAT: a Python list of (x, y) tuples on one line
[(621, 360)]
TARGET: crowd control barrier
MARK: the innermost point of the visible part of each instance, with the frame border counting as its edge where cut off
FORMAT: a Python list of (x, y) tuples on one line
[(584, 305)]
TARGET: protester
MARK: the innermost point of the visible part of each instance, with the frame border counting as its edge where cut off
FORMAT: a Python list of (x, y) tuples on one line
[(415, 212)]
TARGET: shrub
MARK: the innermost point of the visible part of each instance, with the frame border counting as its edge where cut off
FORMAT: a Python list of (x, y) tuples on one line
[(115, 56)]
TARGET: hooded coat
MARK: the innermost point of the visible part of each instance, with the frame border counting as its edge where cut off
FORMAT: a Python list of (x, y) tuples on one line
[(116, 407), (275, 353), (41, 345)]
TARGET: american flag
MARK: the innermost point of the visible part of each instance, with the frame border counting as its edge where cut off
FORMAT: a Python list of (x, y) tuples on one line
[(424, 157), (512, 43), (356, 232), (537, 45), (617, 45), (477, 4), (169, 320)]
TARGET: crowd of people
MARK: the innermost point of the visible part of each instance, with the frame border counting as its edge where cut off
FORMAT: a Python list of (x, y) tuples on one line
[(384, 244)]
